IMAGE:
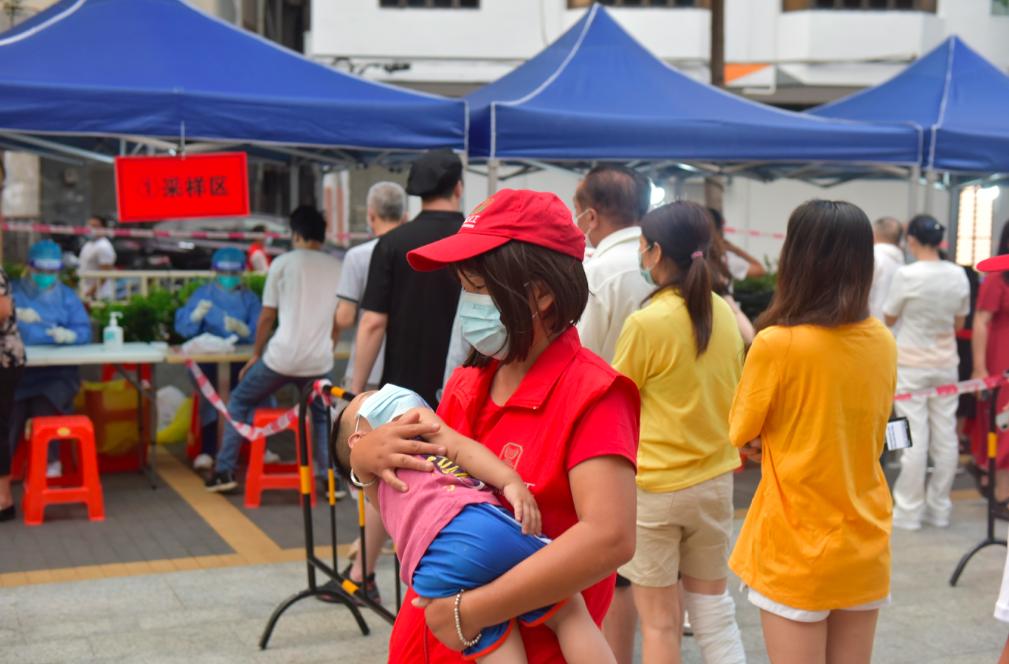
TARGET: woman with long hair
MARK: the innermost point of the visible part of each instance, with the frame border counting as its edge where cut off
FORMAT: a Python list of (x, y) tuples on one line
[(562, 417), (930, 298), (990, 346), (815, 394), (684, 353)]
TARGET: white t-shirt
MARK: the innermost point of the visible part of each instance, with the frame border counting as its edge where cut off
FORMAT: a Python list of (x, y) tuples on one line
[(926, 296), (888, 258), (738, 266), (616, 290), (98, 254), (353, 281), (302, 285)]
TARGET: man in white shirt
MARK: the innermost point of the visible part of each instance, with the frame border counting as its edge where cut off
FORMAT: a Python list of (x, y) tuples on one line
[(300, 294), (386, 211), (609, 203), (97, 254), (887, 233)]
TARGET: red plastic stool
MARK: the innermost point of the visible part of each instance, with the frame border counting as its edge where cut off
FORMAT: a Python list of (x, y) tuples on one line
[(194, 440), (41, 491), (70, 476), (262, 476)]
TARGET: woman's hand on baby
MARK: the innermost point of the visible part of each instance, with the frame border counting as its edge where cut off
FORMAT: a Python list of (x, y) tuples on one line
[(393, 446), (439, 614), (426, 416), (527, 512)]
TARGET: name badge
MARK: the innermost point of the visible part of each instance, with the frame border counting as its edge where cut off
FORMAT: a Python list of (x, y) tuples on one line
[(898, 434)]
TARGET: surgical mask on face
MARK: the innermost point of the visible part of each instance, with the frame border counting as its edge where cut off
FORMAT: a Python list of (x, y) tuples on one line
[(229, 281), (43, 280), (646, 274), (389, 403), (481, 325), (588, 242)]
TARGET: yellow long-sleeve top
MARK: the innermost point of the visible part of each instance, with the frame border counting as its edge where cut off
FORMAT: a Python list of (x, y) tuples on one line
[(685, 399), (817, 535)]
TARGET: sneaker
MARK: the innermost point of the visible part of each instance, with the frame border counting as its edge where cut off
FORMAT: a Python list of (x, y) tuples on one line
[(368, 589), (270, 457), (55, 469), (221, 482), (906, 525), (936, 523), (203, 462), (322, 488)]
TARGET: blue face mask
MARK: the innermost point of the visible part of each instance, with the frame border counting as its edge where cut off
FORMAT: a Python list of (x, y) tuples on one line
[(43, 280), (481, 325), (389, 403), (229, 281), (645, 273)]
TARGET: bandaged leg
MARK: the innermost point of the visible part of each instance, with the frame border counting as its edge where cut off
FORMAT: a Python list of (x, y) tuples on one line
[(713, 618)]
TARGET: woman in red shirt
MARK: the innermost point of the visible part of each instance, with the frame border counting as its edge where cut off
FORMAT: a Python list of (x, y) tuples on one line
[(990, 347), (563, 418)]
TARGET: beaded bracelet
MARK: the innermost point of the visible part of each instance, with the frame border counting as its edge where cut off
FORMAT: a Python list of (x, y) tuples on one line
[(458, 625)]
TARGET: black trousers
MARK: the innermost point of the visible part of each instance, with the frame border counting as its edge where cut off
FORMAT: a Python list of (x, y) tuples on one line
[(9, 377)]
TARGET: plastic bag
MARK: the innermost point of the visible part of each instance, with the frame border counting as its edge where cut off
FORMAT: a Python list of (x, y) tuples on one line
[(209, 343)]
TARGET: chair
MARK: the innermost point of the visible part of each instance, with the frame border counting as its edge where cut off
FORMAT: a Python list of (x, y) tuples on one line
[(262, 476), (79, 482)]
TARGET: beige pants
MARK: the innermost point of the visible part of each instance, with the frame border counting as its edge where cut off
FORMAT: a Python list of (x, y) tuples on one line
[(684, 531)]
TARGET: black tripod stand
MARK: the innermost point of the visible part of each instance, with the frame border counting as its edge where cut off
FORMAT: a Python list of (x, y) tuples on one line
[(338, 589), (990, 539)]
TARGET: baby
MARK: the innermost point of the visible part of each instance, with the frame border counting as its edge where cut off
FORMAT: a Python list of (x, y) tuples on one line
[(452, 533)]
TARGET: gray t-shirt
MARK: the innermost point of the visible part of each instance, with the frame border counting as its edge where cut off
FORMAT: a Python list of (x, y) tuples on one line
[(353, 281)]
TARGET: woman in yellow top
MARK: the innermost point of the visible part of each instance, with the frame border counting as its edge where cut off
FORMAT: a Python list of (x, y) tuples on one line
[(684, 352), (816, 395)]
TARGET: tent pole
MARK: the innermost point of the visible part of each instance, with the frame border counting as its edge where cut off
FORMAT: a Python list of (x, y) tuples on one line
[(929, 190), (492, 176), (913, 182)]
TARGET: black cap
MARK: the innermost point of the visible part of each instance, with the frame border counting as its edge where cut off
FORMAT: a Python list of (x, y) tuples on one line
[(436, 172)]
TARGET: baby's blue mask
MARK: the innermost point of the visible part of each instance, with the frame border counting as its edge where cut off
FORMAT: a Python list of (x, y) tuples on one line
[(389, 403)]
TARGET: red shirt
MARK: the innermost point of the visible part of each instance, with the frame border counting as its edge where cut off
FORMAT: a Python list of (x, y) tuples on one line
[(570, 407)]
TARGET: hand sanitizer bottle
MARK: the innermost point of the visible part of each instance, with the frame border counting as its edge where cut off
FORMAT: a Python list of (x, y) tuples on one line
[(112, 336)]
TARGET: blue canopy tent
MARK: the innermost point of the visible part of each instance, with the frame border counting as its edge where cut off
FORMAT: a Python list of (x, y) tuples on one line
[(596, 93), (161, 69), (960, 100)]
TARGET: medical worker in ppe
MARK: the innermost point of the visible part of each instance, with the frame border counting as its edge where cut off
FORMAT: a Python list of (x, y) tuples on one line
[(48, 313), (223, 308)]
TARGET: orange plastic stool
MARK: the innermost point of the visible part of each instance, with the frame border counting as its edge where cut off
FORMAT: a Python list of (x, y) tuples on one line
[(41, 491), (262, 476)]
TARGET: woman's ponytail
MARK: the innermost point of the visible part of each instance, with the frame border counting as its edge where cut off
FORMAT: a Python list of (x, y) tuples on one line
[(695, 288), (683, 231)]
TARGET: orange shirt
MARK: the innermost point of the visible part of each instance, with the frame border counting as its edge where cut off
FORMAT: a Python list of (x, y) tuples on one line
[(817, 535)]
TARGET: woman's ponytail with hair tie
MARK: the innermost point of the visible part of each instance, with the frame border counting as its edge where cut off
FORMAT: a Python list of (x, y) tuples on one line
[(697, 255)]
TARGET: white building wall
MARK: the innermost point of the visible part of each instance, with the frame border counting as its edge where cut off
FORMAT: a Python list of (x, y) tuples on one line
[(816, 47)]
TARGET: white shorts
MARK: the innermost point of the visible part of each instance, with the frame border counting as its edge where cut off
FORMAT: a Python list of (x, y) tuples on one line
[(799, 615), (1002, 605)]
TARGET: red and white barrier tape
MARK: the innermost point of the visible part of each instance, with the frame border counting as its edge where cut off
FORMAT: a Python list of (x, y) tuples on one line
[(953, 389), (149, 233), (248, 431), (732, 230)]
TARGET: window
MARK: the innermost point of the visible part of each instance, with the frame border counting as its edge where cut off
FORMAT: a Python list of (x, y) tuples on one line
[(873, 5), (429, 4), (576, 4), (974, 224)]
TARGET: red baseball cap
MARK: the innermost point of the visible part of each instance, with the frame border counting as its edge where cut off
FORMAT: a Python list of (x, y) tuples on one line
[(535, 217), (994, 264)]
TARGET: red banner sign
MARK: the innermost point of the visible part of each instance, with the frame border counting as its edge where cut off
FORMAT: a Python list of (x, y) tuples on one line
[(200, 185)]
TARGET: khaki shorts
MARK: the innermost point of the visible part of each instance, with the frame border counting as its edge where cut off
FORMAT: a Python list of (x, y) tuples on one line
[(685, 531)]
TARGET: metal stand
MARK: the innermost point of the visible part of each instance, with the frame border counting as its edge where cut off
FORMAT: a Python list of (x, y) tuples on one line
[(989, 539), (338, 589)]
